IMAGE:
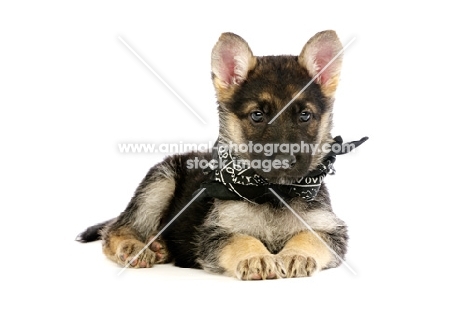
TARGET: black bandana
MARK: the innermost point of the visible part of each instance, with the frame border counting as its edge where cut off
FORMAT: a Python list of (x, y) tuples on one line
[(234, 181)]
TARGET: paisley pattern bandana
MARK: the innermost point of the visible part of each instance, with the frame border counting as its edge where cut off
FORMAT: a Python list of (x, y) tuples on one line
[(232, 179)]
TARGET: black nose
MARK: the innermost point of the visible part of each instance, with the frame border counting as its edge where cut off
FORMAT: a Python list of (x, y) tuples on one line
[(287, 159)]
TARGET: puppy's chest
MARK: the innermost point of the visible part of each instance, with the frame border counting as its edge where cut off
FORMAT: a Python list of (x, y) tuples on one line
[(273, 226)]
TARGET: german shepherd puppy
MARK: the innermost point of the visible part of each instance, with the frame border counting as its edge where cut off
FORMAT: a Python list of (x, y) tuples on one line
[(263, 236)]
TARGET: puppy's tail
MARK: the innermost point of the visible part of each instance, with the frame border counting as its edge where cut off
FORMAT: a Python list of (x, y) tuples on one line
[(93, 233)]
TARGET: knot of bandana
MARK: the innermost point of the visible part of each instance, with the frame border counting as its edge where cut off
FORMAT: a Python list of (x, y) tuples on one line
[(233, 180)]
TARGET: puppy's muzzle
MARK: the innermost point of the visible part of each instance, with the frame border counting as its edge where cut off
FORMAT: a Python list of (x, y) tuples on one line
[(287, 159)]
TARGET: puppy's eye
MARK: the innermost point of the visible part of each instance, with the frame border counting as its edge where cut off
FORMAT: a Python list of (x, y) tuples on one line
[(257, 116), (305, 116)]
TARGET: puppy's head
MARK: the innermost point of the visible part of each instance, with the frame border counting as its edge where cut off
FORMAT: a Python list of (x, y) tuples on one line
[(267, 111)]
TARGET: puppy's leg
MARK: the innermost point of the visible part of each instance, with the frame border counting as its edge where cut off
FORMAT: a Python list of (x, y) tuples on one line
[(304, 254), (124, 245), (248, 259), (241, 256), (124, 241)]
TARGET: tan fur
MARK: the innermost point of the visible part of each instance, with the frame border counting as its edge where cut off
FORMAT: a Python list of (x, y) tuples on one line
[(242, 257), (313, 108), (272, 226), (294, 90), (323, 130), (325, 126), (223, 93), (233, 128), (252, 106), (123, 247), (267, 96), (122, 244), (308, 244), (330, 87), (113, 240), (237, 237)]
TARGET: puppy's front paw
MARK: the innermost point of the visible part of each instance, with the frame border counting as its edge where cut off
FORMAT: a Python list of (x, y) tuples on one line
[(297, 264), (134, 254), (259, 268)]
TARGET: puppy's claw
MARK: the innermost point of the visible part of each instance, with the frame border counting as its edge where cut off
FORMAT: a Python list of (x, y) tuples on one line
[(259, 268)]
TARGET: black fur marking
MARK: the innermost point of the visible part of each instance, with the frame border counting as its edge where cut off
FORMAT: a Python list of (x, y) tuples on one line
[(197, 237), (93, 233), (211, 240), (283, 78)]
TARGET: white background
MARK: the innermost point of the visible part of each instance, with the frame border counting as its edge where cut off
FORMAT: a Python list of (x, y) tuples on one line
[(70, 91)]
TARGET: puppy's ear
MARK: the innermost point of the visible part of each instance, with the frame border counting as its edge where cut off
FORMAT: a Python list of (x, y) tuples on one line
[(316, 56), (231, 60)]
